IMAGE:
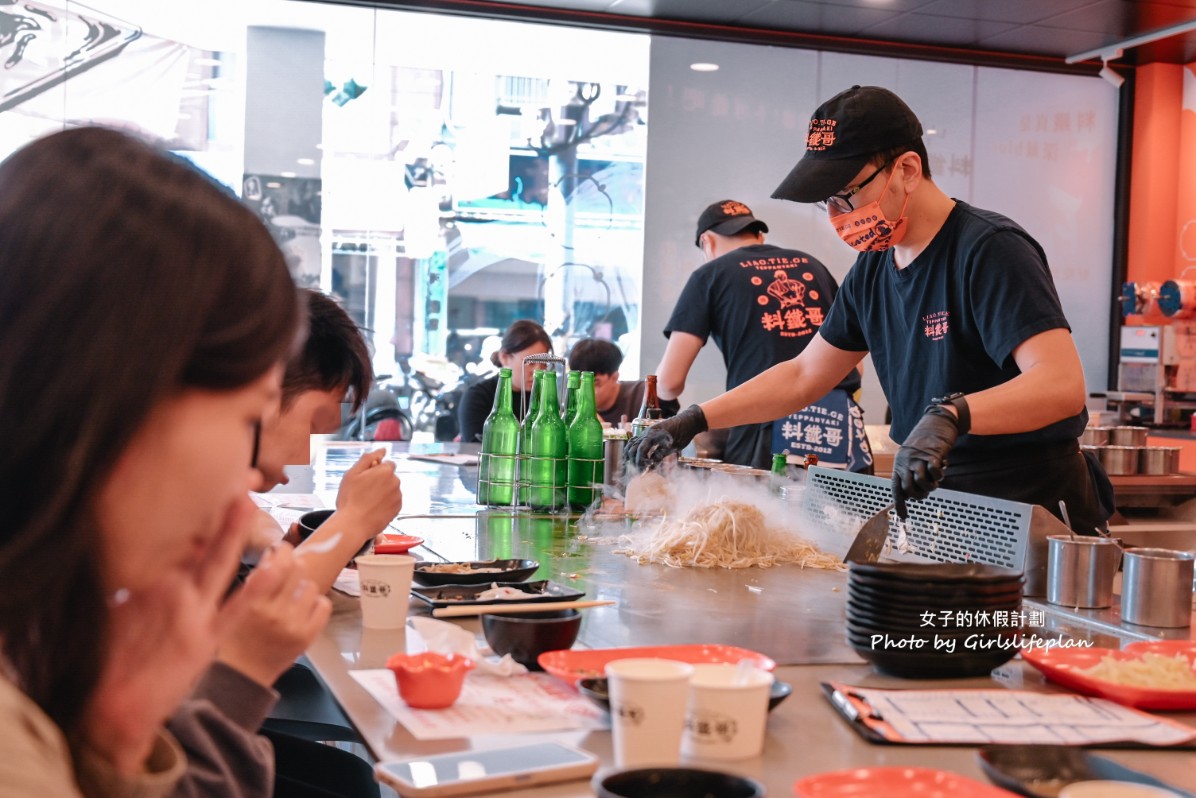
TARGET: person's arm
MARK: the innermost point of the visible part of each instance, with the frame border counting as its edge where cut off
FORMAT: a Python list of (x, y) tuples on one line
[(1050, 388), (679, 356), (783, 389), (217, 728), (369, 497)]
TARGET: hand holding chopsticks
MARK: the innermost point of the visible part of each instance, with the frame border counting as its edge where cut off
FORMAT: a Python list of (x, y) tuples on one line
[(485, 609)]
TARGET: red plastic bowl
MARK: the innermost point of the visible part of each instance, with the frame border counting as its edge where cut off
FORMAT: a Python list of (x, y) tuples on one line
[(429, 680), (395, 544)]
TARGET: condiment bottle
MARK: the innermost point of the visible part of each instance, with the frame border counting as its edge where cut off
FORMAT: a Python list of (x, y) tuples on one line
[(548, 451), (586, 448), (500, 441), (573, 383), (780, 473), (525, 435), (650, 411)]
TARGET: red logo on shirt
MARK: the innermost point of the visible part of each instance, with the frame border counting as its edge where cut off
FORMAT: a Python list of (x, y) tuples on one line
[(935, 325)]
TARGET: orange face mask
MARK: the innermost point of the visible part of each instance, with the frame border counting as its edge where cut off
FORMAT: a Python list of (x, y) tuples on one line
[(867, 229)]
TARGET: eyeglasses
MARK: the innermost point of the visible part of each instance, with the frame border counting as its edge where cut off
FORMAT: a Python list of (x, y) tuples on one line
[(841, 203), (257, 443)]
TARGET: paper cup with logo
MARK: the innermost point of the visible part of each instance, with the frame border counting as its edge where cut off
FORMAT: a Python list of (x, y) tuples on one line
[(385, 589), (726, 713), (647, 710)]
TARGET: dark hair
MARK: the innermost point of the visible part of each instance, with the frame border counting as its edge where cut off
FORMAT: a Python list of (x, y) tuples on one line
[(126, 276), (917, 146), (334, 356), (596, 355), (521, 335)]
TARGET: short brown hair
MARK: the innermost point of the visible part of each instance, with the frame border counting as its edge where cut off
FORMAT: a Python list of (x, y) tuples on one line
[(334, 356)]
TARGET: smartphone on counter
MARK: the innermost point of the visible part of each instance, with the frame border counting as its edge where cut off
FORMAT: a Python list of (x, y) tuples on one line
[(468, 772)]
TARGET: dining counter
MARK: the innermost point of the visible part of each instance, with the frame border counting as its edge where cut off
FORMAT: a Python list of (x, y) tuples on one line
[(794, 616)]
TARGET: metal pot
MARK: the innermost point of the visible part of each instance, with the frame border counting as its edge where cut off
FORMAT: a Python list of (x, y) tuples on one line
[(1119, 460), (1127, 436), (1157, 460), (1095, 436)]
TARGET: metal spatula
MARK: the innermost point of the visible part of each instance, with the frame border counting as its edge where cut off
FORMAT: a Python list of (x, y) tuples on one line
[(870, 540)]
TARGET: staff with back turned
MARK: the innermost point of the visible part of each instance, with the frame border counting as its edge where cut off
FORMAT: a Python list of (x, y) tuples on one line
[(957, 307)]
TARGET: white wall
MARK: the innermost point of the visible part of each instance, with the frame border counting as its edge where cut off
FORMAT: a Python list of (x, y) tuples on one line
[(1039, 148)]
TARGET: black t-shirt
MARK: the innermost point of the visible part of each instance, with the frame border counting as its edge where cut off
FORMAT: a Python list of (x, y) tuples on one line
[(477, 403), (761, 304), (951, 319)]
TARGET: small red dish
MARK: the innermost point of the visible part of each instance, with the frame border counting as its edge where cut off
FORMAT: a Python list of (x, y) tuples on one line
[(395, 544), (1065, 666), (894, 782), (429, 680)]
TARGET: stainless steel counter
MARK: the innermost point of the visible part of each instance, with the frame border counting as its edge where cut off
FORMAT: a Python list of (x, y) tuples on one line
[(793, 616)]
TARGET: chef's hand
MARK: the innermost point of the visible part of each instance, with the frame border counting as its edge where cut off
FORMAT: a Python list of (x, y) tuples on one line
[(921, 461), (665, 437)]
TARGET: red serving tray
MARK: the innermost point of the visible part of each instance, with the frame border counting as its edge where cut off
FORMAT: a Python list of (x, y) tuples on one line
[(1063, 666), (894, 782), (570, 665)]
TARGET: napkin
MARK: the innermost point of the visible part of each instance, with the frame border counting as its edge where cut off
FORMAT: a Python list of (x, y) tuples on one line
[(448, 638)]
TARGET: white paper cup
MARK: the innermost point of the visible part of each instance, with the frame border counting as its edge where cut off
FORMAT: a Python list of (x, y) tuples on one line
[(726, 713), (647, 710), (385, 589)]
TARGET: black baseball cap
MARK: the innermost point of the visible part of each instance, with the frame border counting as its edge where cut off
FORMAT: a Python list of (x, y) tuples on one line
[(727, 217), (845, 132)]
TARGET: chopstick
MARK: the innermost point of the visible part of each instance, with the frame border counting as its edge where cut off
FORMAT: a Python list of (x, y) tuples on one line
[(488, 609)]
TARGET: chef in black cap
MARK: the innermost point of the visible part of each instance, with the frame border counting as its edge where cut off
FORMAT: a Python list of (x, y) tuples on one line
[(761, 304), (958, 309)]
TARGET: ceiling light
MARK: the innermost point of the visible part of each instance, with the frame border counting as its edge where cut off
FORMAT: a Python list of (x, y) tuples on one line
[(704, 67), (1107, 72)]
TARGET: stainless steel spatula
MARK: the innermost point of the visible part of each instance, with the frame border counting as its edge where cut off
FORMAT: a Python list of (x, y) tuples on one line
[(870, 540)]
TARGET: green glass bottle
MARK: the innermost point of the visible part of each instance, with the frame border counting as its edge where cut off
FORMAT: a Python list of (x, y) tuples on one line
[(586, 454), (548, 449), (500, 441), (574, 382), (780, 473), (525, 436)]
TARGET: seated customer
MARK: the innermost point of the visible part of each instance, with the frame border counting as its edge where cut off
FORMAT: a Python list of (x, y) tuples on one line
[(136, 356), (521, 339), (235, 695), (616, 401)]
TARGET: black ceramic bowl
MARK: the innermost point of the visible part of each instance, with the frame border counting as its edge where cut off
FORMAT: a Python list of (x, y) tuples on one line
[(675, 783), (475, 572), (308, 522), (930, 664), (597, 689), (527, 635)]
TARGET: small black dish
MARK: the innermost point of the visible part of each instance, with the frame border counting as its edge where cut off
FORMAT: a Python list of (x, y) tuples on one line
[(309, 522), (597, 690), (967, 573), (674, 783), (1040, 771), (508, 571), (527, 635)]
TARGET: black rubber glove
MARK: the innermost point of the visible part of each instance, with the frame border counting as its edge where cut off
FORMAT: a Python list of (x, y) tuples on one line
[(664, 437), (921, 461)]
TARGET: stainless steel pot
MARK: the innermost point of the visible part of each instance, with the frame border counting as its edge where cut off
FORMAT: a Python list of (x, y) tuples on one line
[(1095, 436), (1127, 436), (1119, 460), (1155, 459)]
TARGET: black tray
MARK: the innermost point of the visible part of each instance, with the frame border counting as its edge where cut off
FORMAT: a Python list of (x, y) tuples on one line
[(467, 595)]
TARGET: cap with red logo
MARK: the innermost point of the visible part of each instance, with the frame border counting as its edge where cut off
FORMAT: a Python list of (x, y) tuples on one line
[(727, 217), (845, 132)]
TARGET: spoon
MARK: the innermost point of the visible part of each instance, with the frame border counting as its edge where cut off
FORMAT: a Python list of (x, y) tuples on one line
[(1066, 520)]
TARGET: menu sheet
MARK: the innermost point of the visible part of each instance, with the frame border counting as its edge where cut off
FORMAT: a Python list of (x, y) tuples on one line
[(983, 716), (532, 702)]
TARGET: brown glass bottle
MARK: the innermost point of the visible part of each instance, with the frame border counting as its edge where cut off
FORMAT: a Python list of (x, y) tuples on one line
[(651, 407)]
